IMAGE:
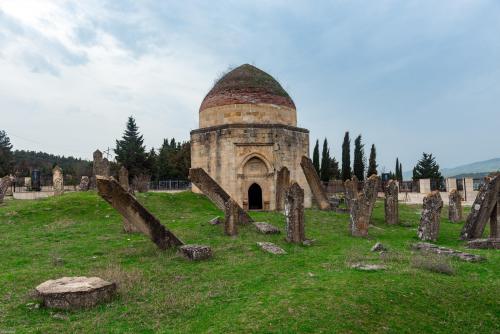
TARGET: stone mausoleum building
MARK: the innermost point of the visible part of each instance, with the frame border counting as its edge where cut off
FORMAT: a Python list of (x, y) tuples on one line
[(247, 133)]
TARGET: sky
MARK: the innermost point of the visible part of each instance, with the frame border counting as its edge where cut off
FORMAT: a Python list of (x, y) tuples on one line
[(409, 76)]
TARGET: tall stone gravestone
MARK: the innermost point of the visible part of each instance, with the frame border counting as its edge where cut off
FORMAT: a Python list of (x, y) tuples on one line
[(84, 183), (294, 214), (431, 213), (282, 184), (455, 206), (232, 217), (128, 227), (391, 203), (101, 165), (351, 191), (57, 181), (362, 207), (4, 185)]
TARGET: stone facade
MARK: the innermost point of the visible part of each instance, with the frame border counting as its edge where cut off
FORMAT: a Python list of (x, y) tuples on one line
[(58, 181), (248, 132), (294, 214), (455, 206), (391, 203), (431, 214)]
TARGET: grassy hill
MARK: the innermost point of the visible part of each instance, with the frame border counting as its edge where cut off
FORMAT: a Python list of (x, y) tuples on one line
[(242, 289)]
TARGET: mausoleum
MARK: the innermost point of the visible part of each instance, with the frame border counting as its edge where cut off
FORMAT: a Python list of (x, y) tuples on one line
[(248, 140)]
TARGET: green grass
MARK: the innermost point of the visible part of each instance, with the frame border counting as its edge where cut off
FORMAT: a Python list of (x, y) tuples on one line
[(242, 289)]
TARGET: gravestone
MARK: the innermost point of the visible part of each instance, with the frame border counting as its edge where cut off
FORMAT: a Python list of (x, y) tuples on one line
[(101, 165), (128, 227), (391, 203), (266, 228), (69, 293), (271, 248), (231, 218), (351, 191), (4, 186), (282, 184), (210, 188), (84, 183), (486, 207), (57, 181), (431, 213), (431, 248), (294, 214), (126, 204), (362, 207), (455, 206), (196, 252), (27, 183), (314, 182)]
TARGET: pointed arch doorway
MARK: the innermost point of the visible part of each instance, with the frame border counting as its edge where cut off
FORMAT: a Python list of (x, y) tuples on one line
[(255, 197)]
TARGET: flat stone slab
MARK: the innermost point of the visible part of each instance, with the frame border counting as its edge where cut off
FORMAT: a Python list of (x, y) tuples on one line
[(271, 248), (75, 292), (266, 228), (368, 266), (428, 247), (196, 252), (490, 243)]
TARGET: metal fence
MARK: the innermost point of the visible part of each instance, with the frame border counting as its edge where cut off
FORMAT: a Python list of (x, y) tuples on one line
[(169, 185)]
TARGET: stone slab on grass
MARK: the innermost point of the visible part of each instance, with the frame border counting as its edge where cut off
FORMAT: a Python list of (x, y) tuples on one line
[(431, 248), (490, 243), (196, 252), (75, 292), (368, 266), (266, 228), (271, 248)]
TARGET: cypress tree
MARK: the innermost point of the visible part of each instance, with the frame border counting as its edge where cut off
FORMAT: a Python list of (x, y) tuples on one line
[(316, 156), (359, 157), (346, 157), (325, 163), (130, 150), (372, 162), (6, 158), (400, 172), (396, 175)]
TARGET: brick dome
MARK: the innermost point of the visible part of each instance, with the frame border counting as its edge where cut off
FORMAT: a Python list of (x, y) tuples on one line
[(246, 84)]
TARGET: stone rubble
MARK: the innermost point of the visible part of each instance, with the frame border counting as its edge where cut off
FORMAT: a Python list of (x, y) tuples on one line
[(431, 248)]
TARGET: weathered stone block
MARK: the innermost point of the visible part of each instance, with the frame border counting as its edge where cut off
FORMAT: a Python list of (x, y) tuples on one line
[(314, 182), (282, 184), (75, 292), (196, 252), (391, 203), (126, 204), (431, 213), (266, 228), (362, 208), (294, 214), (491, 243), (455, 206)]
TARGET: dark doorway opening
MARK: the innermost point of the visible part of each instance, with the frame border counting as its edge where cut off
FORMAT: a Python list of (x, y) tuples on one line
[(255, 197)]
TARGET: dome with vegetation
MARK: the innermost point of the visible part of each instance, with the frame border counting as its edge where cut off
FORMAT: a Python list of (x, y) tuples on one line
[(246, 84)]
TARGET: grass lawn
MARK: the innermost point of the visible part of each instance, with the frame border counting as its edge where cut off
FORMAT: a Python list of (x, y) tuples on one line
[(242, 289)]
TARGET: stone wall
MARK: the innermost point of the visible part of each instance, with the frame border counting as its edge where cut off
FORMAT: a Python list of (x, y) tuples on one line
[(238, 155)]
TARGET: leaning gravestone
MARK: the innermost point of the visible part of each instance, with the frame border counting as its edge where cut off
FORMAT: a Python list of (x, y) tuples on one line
[(391, 203), (231, 218), (69, 293), (315, 185), (455, 206), (84, 183), (294, 214), (4, 185), (111, 191), (362, 207), (57, 181), (431, 213)]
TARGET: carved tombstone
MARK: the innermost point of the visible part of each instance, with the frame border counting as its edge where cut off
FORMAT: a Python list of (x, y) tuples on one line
[(351, 191), (84, 183), (362, 207), (455, 206), (391, 203), (101, 165), (314, 182), (128, 227), (486, 207), (27, 183), (111, 191), (282, 184), (232, 217), (431, 213), (294, 214), (4, 185), (57, 181)]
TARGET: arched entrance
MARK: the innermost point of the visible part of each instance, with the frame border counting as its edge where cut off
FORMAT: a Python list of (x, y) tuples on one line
[(255, 197)]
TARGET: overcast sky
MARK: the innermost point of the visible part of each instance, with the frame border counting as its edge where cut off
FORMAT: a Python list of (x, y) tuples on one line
[(410, 76)]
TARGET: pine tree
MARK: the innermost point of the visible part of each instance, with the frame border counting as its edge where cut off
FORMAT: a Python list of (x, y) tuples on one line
[(325, 163), (316, 157), (130, 150), (359, 159), (427, 168), (346, 157), (372, 162), (6, 158)]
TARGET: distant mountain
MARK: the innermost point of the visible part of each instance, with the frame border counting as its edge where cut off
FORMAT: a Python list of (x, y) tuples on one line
[(475, 169)]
